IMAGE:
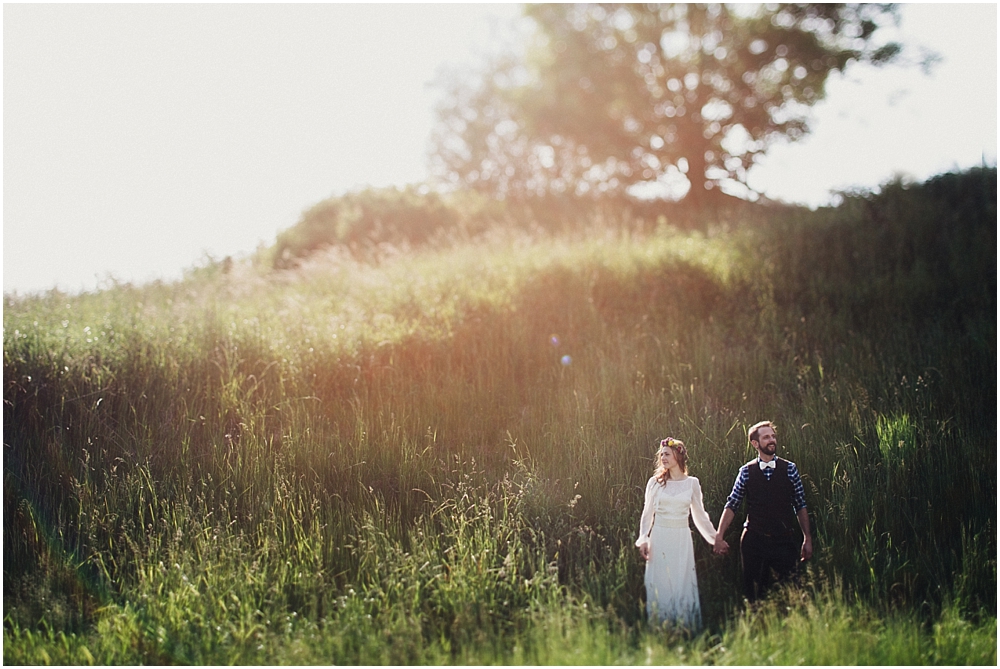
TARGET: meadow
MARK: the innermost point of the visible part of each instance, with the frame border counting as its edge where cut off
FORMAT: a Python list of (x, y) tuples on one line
[(433, 451)]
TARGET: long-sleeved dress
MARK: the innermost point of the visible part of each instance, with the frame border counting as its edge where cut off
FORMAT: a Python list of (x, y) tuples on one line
[(671, 581)]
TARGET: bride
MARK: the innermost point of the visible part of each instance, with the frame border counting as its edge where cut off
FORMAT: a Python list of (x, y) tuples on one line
[(665, 538)]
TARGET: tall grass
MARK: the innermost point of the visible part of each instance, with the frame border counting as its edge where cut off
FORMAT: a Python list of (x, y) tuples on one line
[(438, 455)]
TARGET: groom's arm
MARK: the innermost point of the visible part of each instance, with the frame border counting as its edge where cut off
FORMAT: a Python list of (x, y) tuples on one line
[(807, 542), (727, 518), (732, 503), (799, 504)]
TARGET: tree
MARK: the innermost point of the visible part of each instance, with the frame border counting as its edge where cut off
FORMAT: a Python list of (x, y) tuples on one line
[(611, 96)]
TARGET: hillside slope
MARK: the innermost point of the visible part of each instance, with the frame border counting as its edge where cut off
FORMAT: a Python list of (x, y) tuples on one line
[(424, 453)]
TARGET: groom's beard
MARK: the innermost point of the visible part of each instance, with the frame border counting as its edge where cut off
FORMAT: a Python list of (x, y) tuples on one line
[(769, 450)]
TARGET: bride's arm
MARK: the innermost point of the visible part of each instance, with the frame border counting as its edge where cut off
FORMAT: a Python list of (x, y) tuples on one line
[(699, 514), (646, 520)]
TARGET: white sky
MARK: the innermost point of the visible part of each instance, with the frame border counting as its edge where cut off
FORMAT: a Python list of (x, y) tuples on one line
[(138, 138)]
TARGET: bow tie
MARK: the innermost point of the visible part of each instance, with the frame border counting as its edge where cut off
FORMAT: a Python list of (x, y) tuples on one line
[(766, 465)]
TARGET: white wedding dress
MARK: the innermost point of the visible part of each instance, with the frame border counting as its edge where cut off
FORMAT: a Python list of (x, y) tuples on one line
[(671, 582)]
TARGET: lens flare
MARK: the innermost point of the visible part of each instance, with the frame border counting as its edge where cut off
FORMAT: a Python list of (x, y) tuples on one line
[(565, 360)]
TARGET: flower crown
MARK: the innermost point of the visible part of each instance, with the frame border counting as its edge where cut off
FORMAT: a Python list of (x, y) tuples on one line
[(674, 444)]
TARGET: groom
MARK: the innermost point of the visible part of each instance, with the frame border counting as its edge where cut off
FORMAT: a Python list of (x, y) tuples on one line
[(775, 499)]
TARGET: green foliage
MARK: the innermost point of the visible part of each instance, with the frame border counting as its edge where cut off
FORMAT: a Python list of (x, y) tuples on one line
[(388, 216), (390, 462), (615, 95), (823, 627)]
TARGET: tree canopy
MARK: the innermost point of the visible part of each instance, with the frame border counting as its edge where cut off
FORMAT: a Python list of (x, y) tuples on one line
[(610, 96)]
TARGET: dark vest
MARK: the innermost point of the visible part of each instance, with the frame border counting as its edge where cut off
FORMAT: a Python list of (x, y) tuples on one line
[(769, 503)]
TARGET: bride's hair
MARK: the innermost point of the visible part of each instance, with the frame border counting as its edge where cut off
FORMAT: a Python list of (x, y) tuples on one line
[(680, 454)]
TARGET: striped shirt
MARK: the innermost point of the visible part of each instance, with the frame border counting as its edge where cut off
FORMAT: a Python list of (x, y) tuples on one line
[(740, 486)]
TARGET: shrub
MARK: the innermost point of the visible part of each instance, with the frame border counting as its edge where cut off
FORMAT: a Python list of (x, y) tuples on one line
[(407, 218)]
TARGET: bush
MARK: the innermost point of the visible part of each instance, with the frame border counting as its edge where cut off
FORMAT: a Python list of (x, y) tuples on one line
[(404, 218)]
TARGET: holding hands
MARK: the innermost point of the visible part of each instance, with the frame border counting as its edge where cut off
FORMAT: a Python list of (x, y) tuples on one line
[(721, 546)]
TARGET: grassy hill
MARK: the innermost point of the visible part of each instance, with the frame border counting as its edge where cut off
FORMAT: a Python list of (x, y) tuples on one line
[(369, 447)]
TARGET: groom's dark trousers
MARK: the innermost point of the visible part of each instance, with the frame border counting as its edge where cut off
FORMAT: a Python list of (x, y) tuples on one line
[(766, 559)]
